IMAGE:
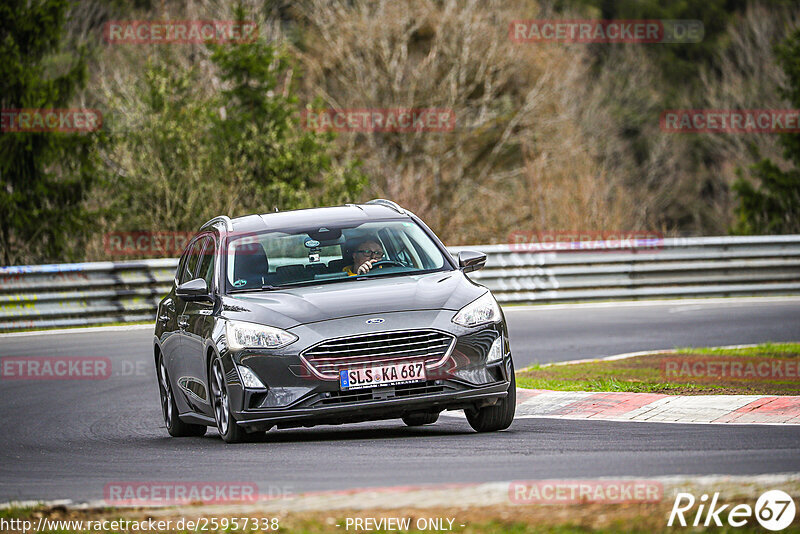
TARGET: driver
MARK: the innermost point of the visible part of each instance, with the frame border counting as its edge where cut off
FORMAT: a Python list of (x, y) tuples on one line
[(367, 253)]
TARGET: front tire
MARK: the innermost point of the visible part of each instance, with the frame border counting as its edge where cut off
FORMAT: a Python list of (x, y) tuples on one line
[(220, 402), (497, 417), (175, 427)]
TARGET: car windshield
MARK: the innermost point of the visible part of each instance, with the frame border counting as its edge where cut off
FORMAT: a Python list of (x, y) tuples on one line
[(330, 254)]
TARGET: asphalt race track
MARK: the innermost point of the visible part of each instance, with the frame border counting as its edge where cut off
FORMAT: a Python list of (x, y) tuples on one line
[(568, 332), (68, 439)]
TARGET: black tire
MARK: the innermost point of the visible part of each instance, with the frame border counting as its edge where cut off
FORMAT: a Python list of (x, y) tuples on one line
[(419, 419), (497, 417), (175, 427), (220, 403)]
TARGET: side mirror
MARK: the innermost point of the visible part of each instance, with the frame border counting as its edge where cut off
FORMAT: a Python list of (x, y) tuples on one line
[(470, 260), (193, 291)]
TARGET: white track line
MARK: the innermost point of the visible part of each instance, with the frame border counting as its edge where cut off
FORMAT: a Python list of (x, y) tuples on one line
[(610, 420), (79, 330), (627, 355), (649, 303)]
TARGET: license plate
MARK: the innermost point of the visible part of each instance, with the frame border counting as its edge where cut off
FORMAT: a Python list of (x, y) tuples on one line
[(382, 375)]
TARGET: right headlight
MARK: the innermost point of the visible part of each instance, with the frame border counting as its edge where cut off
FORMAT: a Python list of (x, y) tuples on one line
[(482, 310)]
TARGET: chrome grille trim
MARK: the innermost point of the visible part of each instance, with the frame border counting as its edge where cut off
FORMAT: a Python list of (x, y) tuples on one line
[(348, 351), (382, 353), (328, 357)]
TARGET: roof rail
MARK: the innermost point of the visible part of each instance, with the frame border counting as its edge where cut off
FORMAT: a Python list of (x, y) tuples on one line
[(223, 219), (388, 203)]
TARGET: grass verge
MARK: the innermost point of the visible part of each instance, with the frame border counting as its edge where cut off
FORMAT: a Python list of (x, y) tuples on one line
[(767, 369)]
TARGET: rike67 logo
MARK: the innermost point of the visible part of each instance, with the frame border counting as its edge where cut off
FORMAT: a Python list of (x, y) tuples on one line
[(774, 510)]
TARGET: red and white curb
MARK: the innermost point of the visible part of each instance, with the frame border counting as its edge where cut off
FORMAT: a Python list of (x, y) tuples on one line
[(656, 407), (653, 407)]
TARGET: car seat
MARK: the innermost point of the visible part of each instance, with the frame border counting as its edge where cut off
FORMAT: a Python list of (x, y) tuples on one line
[(250, 265)]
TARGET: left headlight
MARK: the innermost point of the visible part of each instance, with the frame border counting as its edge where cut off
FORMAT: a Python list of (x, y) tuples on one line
[(482, 310), (243, 335)]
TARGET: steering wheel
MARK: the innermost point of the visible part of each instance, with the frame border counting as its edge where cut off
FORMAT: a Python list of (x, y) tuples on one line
[(381, 263)]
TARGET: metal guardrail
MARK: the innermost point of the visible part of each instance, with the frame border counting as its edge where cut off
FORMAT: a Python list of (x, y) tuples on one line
[(42, 296), (73, 294)]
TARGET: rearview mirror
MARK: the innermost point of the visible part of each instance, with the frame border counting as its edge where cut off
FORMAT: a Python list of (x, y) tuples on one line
[(470, 260), (193, 290)]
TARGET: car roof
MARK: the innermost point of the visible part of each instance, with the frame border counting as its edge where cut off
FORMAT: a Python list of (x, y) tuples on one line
[(333, 216)]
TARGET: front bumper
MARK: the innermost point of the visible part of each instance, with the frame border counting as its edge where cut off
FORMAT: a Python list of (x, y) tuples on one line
[(380, 406)]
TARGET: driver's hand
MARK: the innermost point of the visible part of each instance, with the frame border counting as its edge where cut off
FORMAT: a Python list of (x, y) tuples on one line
[(366, 266)]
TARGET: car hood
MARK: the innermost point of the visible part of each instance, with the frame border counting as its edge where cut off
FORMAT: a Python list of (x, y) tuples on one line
[(290, 307)]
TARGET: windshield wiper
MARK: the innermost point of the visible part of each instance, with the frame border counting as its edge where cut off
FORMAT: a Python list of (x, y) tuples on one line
[(359, 277), (247, 289), (312, 282)]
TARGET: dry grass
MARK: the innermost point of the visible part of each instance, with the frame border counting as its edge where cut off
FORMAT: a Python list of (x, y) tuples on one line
[(541, 141), (518, 158)]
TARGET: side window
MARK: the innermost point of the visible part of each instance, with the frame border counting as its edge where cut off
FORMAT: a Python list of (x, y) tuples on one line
[(182, 265), (190, 266), (206, 269)]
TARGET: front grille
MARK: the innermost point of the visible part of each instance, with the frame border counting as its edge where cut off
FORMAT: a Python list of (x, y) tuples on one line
[(403, 390), (329, 357)]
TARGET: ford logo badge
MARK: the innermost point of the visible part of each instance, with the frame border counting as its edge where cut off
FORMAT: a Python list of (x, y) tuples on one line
[(376, 320)]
